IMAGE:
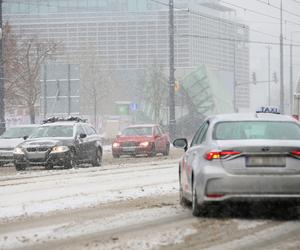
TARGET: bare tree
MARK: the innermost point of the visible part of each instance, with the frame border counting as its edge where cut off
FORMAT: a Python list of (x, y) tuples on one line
[(97, 83), (23, 63), (155, 90), (10, 61)]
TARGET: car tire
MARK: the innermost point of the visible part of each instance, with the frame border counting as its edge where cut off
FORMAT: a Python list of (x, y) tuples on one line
[(182, 200), (20, 167), (153, 152), (98, 158), (196, 211), (49, 166), (116, 156), (70, 162), (166, 153)]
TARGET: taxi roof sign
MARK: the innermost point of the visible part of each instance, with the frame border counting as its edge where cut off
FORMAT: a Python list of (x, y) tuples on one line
[(268, 109)]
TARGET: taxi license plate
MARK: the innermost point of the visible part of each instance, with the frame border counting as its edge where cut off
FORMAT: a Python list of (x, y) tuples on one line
[(267, 161)]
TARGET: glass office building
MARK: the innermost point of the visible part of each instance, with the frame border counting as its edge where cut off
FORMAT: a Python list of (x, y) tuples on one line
[(130, 35)]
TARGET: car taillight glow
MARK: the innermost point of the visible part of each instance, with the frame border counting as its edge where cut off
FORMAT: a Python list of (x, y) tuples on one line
[(219, 154), (215, 196), (297, 153)]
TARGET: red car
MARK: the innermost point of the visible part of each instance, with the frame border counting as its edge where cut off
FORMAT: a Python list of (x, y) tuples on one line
[(141, 140)]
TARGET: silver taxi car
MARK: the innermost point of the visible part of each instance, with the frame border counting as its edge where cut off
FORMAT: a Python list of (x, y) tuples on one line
[(241, 157)]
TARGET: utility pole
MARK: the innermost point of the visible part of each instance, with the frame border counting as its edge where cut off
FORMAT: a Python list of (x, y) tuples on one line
[(281, 65), (291, 77), (172, 118), (291, 74), (69, 89), (45, 91), (2, 104), (269, 75), (234, 78)]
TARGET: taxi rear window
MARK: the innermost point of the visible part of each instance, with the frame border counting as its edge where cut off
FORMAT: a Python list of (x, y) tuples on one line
[(245, 130)]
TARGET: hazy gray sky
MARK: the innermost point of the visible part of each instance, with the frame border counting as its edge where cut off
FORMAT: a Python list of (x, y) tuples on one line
[(258, 53)]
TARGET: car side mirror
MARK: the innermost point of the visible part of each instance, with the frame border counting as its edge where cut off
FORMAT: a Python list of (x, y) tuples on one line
[(25, 137), (156, 136), (181, 143), (82, 136)]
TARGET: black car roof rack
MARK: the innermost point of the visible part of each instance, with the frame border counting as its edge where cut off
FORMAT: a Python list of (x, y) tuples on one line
[(61, 119)]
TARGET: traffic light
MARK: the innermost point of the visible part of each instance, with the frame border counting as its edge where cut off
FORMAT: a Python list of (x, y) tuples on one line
[(176, 86), (254, 78), (275, 77)]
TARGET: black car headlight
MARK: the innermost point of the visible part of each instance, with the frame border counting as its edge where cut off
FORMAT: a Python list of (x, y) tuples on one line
[(59, 149)]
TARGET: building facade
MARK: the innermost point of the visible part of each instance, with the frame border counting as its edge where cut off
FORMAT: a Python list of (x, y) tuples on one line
[(129, 35)]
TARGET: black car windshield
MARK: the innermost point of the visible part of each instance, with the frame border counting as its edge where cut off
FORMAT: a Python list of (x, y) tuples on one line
[(137, 131), (244, 130), (53, 131), (17, 132)]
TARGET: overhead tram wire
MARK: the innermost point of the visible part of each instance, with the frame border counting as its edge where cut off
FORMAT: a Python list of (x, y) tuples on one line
[(259, 13), (278, 8)]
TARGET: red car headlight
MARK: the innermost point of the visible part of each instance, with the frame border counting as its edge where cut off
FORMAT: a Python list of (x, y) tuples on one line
[(144, 144), (116, 145)]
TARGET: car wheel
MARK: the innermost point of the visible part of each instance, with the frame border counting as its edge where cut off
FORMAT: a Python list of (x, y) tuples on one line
[(20, 167), (153, 152), (195, 206), (182, 200), (116, 156), (49, 167), (70, 161), (166, 153), (98, 158)]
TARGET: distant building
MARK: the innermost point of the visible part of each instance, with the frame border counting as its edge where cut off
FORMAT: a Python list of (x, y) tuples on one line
[(130, 35)]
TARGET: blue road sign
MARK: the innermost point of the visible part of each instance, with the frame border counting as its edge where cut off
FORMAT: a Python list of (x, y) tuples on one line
[(133, 106)]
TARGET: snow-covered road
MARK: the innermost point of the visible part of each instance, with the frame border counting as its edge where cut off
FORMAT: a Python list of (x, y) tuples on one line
[(35, 193)]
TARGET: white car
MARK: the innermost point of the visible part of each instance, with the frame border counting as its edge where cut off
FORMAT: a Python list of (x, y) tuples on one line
[(11, 138)]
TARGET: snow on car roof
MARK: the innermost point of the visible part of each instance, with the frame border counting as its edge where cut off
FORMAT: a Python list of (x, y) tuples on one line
[(142, 125), (24, 126), (252, 116), (62, 123)]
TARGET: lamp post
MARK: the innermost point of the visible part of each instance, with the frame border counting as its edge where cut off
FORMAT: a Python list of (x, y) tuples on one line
[(2, 104), (172, 117), (281, 64), (291, 71), (269, 72), (297, 95)]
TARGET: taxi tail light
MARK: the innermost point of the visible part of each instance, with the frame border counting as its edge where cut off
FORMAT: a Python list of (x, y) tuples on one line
[(220, 154), (296, 153), (215, 195)]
